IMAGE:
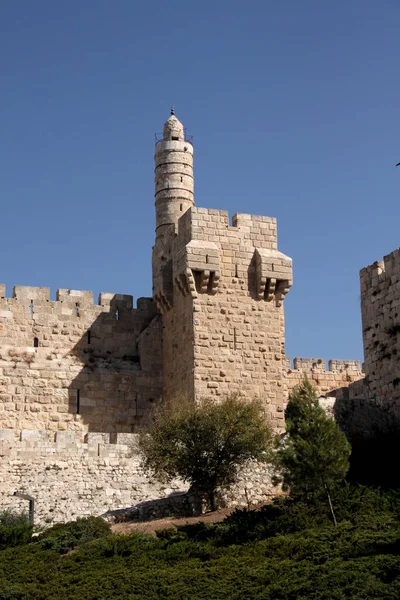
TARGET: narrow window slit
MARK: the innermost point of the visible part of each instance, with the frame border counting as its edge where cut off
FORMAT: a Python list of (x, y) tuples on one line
[(36, 342), (236, 271), (31, 308), (78, 402), (207, 258), (117, 315), (234, 339), (89, 336), (181, 207), (77, 309)]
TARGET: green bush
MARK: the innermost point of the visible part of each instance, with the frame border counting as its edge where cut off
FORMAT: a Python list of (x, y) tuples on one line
[(10, 518), (289, 550), (64, 537), (15, 529), (14, 536)]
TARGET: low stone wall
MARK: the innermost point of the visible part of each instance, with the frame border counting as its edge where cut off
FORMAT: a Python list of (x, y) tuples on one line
[(70, 478)]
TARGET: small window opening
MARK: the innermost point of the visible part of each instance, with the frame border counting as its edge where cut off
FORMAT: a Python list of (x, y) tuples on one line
[(117, 315), (181, 207), (89, 336), (206, 258), (175, 138), (31, 307), (78, 402), (236, 271), (234, 339), (77, 309), (181, 178), (36, 342)]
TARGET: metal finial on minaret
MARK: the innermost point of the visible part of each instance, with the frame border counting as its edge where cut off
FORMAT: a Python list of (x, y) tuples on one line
[(172, 110)]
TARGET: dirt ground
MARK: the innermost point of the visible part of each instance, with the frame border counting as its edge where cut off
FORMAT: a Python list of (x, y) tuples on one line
[(152, 526)]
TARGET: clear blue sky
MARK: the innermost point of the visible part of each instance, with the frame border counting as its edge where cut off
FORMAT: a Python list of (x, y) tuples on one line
[(294, 107)]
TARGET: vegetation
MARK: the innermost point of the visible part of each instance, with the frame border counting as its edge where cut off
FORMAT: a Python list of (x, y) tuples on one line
[(65, 536), (287, 551), (205, 444), (314, 454), (15, 528)]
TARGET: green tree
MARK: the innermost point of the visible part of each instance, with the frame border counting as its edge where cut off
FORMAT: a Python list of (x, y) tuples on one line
[(314, 453), (206, 443)]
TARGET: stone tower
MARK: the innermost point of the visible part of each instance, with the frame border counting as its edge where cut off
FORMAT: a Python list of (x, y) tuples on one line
[(380, 312), (220, 290)]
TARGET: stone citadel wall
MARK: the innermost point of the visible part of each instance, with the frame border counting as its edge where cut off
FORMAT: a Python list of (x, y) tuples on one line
[(72, 365), (70, 477)]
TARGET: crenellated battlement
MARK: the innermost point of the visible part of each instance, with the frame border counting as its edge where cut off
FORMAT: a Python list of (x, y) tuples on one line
[(380, 272), (40, 296), (201, 223), (43, 441), (326, 378), (335, 365)]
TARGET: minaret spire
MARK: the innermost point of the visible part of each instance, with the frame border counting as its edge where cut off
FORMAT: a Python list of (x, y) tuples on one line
[(173, 174), (174, 184)]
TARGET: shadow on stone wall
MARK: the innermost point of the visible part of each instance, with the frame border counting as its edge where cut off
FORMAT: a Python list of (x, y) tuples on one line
[(177, 504), (118, 362), (374, 433)]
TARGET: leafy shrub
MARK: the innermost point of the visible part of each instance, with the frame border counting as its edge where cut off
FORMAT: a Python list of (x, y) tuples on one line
[(288, 550), (12, 593), (15, 529), (127, 545), (9, 518), (14, 535), (64, 537), (357, 505)]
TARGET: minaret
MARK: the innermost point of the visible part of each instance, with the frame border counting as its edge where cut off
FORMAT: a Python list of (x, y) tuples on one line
[(174, 186), (173, 175)]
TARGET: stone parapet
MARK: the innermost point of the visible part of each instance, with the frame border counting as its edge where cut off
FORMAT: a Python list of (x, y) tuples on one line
[(340, 373)]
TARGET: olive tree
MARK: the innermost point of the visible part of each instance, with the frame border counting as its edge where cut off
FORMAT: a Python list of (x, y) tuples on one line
[(206, 443)]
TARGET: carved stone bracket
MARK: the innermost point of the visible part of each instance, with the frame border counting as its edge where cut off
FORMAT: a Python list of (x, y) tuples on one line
[(273, 273), (186, 284), (162, 302), (197, 268)]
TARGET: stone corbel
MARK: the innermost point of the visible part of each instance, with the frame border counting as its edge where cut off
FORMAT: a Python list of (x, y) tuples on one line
[(196, 268), (273, 274), (162, 302), (186, 284), (163, 292)]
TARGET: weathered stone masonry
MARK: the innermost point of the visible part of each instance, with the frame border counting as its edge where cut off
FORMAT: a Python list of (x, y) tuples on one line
[(72, 365), (380, 311)]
